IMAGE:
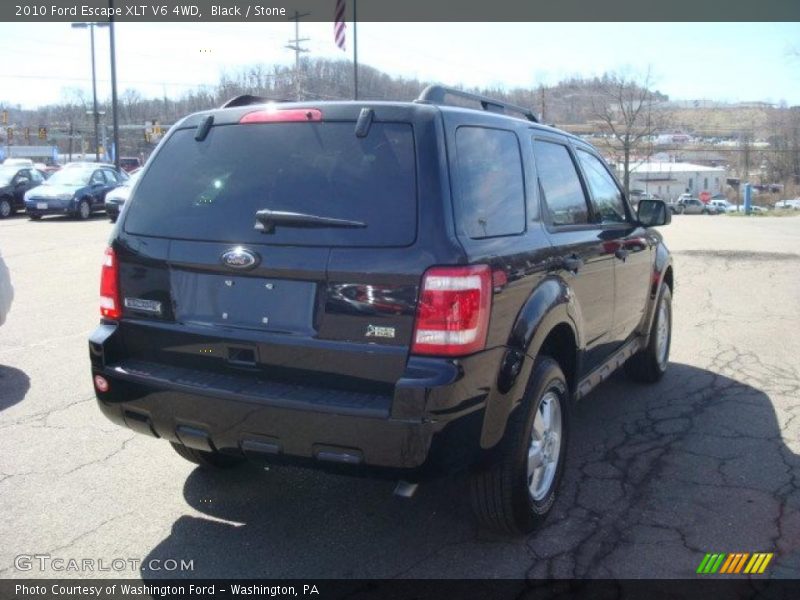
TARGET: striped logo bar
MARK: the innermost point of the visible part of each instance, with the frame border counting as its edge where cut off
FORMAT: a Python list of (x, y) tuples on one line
[(735, 563)]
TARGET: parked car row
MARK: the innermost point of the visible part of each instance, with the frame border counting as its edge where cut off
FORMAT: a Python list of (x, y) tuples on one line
[(687, 205), (78, 189)]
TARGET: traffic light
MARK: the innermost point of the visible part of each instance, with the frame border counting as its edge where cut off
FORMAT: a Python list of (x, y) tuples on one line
[(42, 133)]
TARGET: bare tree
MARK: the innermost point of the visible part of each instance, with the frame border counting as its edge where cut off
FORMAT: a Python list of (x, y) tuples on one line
[(624, 107)]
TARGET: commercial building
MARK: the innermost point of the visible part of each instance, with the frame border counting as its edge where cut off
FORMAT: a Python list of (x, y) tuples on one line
[(671, 179)]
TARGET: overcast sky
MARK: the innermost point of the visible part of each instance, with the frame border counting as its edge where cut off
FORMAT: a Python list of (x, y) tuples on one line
[(728, 62)]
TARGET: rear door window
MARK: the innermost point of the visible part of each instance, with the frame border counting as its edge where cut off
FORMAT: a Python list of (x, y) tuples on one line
[(560, 185), (211, 190), (492, 192)]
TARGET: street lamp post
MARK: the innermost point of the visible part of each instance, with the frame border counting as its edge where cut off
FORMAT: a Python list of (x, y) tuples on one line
[(114, 91), (95, 113)]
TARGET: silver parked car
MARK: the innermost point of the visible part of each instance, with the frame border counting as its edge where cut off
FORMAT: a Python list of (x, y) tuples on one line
[(722, 206), (116, 198), (693, 206), (6, 291)]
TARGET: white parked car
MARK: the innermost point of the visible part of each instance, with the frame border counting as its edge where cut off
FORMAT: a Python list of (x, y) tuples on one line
[(723, 205), (18, 162), (790, 204)]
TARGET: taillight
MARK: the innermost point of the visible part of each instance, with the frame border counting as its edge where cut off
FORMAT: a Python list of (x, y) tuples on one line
[(109, 287), (453, 311), (286, 115)]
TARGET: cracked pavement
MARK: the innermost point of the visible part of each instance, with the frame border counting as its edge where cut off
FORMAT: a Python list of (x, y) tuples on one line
[(708, 460)]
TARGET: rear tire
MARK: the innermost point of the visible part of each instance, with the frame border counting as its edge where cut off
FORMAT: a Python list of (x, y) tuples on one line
[(515, 492), (650, 363), (6, 210), (212, 460)]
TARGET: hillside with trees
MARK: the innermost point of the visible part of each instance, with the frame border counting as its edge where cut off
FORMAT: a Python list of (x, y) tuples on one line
[(766, 138)]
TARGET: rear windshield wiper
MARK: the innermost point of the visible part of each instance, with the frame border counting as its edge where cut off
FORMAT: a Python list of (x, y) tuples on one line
[(266, 220)]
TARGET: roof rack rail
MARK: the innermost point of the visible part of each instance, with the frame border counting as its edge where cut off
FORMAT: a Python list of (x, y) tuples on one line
[(436, 94), (246, 99)]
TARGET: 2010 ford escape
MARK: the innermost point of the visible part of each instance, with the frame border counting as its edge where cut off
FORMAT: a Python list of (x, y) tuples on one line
[(401, 289)]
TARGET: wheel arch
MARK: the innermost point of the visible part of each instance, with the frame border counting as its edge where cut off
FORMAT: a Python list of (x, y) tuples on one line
[(545, 324), (663, 274)]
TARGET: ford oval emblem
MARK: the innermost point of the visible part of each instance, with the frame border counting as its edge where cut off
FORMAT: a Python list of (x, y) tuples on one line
[(239, 258)]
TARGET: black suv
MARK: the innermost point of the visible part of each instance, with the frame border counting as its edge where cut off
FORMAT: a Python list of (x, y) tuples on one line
[(401, 289)]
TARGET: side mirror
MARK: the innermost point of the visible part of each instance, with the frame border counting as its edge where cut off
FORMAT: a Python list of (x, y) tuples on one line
[(652, 213)]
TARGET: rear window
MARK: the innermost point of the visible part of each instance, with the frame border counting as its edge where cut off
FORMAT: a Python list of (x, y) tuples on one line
[(490, 176), (211, 190)]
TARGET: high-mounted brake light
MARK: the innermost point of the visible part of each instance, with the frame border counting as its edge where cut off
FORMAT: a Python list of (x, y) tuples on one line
[(109, 287), (289, 115), (453, 311)]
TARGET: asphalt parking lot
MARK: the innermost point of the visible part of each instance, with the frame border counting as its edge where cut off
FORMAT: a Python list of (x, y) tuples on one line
[(708, 460)]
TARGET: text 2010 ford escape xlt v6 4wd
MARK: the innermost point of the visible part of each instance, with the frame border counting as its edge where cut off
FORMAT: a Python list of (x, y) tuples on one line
[(391, 288)]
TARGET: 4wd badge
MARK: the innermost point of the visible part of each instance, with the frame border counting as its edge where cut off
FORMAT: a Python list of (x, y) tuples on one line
[(381, 332)]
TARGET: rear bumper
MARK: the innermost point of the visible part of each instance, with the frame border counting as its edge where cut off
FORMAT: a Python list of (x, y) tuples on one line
[(431, 423)]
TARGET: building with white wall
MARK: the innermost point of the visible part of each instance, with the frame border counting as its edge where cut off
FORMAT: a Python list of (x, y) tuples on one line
[(671, 179)]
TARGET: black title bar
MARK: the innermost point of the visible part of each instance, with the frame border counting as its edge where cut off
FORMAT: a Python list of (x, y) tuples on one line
[(402, 10)]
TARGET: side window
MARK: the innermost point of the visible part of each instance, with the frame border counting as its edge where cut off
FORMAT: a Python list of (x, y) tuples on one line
[(23, 174), (36, 176), (111, 176), (560, 186), (606, 196), (97, 178), (492, 192)]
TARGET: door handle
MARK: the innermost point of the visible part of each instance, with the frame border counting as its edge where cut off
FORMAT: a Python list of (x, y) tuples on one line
[(571, 263), (621, 253)]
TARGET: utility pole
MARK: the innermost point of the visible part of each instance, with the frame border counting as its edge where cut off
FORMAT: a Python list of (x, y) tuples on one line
[(298, 49), (355, 52), (71, 135), (95, 113), (114, 102), (541, 100)]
